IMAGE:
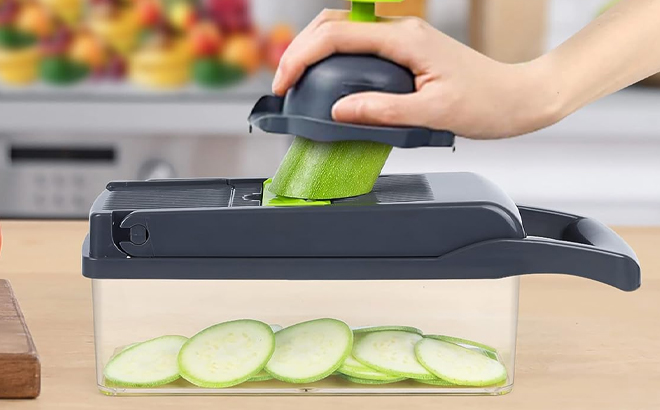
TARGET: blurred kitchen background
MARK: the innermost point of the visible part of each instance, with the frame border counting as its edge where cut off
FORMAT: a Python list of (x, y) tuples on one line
[(100, 90)]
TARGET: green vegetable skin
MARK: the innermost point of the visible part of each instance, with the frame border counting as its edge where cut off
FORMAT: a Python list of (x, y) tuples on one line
[(329, 170), (333, 170)]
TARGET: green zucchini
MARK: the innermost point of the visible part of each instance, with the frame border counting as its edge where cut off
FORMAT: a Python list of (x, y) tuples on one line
[(329, 170), (358, 380), (310, 351), (459, 365), (227, 354), (391, 352), (147, 364), (370, 329)]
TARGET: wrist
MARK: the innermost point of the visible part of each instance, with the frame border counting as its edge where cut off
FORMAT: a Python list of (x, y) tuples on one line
[(545, 101)]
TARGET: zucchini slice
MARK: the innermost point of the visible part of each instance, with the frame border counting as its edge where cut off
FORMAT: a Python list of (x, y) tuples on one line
[(391, 352), (310, 351), (147, 364), (485, 349), (226, 354), (329, 170), (355, 369), (262, 376), (276, 328), (369, 329), (459, 365), (358, 380)]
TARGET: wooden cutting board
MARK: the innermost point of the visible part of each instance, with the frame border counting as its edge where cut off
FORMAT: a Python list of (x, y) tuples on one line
[(20, 370)]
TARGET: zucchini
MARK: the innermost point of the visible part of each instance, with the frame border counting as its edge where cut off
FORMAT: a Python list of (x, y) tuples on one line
[(226, 354), (436, 382), (357, 380), (485, 349), (355, 369), (369, 329), (262, 376), (276, 328), (391, 352), (147, 364), (459, 365), (329, 170), (310, 351)]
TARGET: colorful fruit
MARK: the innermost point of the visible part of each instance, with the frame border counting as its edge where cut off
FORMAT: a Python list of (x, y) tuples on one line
[(87, 50), (58, 43), (18, 66), (162, 67), (120, 30), (9, 10), (205, 40), (232, 16), (277, 42), (149, 12), (60, 70), (69, 11), (116, 68), (182, 15), (12, 39), (242, 51), (209, 72), (35, 20)]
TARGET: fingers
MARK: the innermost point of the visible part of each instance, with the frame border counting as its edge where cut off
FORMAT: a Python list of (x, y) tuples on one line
[(331, 33), (382, 109)]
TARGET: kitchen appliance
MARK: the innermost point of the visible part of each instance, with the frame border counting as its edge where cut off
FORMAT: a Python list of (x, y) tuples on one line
[(217, 286), (59, 176), (441, 253)]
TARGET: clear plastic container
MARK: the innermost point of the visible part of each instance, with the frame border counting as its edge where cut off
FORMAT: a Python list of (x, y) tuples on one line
[(130, 311)]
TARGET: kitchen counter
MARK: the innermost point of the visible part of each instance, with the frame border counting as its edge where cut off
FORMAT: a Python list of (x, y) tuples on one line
[(581, 345)]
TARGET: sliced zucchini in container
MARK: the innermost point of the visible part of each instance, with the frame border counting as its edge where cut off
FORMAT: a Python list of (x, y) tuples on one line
[(487, 350), (310, 351), (391, 352), (436, 382), (147, 364), (227, 354), (329, 170), (262, 376), (355, 369), (357, 380), (369, 329), (459, 365)]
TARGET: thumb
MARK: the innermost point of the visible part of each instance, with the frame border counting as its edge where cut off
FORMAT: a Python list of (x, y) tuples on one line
[(384, 109)]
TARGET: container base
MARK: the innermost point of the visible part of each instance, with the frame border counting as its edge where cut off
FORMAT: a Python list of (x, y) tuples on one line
[(332, 386)]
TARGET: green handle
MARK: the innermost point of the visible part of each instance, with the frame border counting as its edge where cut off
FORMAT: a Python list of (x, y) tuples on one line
[(365, 10)]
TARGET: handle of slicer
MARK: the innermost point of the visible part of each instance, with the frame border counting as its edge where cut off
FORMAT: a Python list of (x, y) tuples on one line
[(574, 229), (564, 243)]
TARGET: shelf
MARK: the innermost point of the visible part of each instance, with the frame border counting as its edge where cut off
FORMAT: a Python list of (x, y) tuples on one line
[(124, 109), (630, 115)]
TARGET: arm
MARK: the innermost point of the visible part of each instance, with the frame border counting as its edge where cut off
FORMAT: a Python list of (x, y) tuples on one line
[(618, 49), (461, 90)]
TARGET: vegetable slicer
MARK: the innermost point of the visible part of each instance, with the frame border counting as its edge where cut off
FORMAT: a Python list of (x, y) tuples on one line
[(219, 286), (442, 253)]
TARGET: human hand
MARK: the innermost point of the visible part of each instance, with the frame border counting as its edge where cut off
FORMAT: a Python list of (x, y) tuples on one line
[(457, 88)]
